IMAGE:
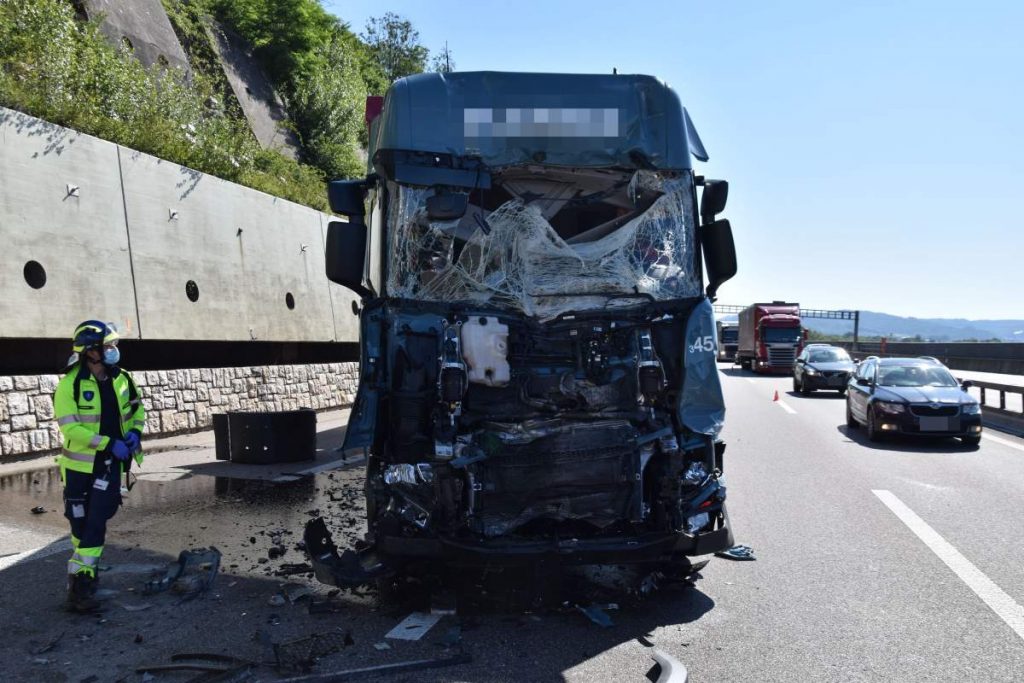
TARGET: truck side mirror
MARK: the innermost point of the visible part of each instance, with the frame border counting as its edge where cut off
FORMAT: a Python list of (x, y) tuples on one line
[(346, 256), (719, 253), (347, 197), (712, 199), (346, 242)]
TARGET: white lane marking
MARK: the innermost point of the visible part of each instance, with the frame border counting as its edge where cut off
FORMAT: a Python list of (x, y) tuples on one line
[(786, 407), (1005, 442), (36, 553), (992, 595)]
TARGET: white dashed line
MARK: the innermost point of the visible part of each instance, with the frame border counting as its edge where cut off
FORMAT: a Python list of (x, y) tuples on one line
[(991, 594), (1005, 442), (786, 407)]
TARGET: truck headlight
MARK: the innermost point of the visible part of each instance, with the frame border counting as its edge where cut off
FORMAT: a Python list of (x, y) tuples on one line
[(971, 409), (890, 408)]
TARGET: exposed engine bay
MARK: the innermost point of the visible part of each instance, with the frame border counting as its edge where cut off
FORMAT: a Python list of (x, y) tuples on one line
[(498, 435)]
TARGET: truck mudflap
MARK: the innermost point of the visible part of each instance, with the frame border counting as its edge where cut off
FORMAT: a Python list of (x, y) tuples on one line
[(351, 568)]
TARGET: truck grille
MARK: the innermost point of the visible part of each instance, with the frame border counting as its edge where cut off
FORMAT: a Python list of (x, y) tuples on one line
[(939, 411), (781, 357)]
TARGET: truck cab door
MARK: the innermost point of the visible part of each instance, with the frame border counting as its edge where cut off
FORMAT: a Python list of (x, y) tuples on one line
[(362, 421)]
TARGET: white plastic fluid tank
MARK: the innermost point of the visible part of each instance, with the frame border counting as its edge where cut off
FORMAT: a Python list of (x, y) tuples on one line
[(485, 350)]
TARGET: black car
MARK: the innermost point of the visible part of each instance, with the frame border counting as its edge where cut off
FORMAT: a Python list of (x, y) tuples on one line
[(916, 396), (821, 366)]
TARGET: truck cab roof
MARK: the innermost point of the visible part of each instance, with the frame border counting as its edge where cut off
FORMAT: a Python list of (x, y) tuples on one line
[(506, 119)]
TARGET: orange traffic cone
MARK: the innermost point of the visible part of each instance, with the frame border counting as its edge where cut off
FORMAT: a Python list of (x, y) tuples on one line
[(776, 395)]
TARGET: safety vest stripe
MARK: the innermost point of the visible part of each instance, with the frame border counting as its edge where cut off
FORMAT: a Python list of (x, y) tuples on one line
[(139, 423), (80, 457), (96, 441), (71, 419)]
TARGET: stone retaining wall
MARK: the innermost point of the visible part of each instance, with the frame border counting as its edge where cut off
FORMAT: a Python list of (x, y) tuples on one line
[(178, 400)]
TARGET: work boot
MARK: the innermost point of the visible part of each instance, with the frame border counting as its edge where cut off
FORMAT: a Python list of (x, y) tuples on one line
[(81, 587)]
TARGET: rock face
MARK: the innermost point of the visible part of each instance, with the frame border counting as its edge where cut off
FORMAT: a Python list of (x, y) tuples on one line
[(143, 26), (179, 400)]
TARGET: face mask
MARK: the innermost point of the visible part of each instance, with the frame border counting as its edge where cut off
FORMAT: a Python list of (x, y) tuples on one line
[(111, 356)]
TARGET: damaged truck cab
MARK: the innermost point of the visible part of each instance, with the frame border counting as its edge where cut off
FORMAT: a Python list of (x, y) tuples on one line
[(537, 376)]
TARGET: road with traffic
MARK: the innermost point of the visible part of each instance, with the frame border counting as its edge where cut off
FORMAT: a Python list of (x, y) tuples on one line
[(891, 561)]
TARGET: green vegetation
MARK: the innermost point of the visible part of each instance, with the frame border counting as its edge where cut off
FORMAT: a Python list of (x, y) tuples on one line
[(60, 69), (65, 71)]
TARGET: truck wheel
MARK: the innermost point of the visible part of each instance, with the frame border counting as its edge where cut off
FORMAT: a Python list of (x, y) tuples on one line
[(850, 421), (873, 432)]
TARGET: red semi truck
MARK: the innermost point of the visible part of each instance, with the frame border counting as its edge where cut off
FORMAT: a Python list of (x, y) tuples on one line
[(770, 337)]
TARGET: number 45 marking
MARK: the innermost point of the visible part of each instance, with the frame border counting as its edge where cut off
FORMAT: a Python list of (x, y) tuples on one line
[(705, 344)]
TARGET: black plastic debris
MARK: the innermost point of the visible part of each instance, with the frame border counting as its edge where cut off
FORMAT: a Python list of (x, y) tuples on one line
[(738, 552), (190, 576), (38, 510), (302, 654), (346, 570)]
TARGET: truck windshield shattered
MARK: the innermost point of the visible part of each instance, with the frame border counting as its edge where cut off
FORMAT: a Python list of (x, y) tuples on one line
[(544, 243), (537, 381)]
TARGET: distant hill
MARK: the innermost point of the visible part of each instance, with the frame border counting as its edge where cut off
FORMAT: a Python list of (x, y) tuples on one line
[(933, 329)]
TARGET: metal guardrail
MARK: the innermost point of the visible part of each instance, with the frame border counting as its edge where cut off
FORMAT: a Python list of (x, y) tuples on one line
[(1000, 357), (1000, 417)]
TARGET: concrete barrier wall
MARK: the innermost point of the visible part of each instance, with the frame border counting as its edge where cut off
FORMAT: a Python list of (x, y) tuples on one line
[(120, 234), (177, 400)]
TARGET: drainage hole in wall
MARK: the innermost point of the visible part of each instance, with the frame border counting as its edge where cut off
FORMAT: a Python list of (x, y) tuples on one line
[(192, 290), (289, 301), (35, 274)]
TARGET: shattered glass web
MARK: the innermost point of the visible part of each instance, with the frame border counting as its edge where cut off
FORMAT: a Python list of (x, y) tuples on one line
[(524, 265)]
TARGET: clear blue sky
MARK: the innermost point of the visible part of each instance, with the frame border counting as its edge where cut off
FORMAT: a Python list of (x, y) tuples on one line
[(875, 151)]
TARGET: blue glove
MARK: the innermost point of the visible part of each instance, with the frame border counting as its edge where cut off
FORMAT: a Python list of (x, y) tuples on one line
[(133, 441), (120, 450)]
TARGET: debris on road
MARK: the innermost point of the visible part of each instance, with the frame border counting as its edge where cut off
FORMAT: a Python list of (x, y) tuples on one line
[(134, 608), (302, 654), (384, 670), (289, 569), (209, 662), (672, 670), (326, 607), (49, 645), (597, 614), (192, 574), (38, 510), (737, 552), (276, 600), (296, 591), (414, 626), (382, 646)]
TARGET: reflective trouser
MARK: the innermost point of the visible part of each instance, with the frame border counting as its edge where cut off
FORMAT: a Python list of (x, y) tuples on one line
[(89, 501)]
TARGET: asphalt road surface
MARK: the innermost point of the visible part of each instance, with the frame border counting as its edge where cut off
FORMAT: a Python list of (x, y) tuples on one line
[(896, 561)]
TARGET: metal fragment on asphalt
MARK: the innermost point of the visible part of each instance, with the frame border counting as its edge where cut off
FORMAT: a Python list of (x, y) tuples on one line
[(414, 626), (738, 552)]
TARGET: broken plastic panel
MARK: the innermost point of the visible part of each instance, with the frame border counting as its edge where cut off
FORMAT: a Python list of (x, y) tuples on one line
[(619, 237)]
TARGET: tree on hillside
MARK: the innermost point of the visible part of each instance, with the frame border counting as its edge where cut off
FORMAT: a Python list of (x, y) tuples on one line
[(443, 63), (396, 45)]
